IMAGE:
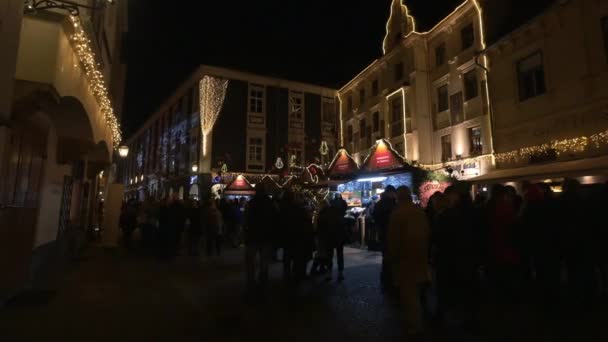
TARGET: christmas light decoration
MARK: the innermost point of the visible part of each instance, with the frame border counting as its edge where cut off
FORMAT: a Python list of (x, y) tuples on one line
[(324, 149), (341, 121), (212, 93), (279, 163), (572, 145), (403, 9), (404, 118), (438, 166), (84, 52)]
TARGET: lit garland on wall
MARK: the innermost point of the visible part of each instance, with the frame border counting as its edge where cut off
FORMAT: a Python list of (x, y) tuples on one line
[(404, 10), (578, 144), (438, 166), (95, 77), (212, 93)]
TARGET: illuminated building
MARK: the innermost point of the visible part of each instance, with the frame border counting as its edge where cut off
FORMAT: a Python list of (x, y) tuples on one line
[(61, 94), (248, 121), (549, 86), (427, 94)]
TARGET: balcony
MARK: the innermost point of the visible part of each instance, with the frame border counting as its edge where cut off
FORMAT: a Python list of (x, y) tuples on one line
[(55, 60)]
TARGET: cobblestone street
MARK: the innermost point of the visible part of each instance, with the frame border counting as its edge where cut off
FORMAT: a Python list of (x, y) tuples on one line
[(111, 296)]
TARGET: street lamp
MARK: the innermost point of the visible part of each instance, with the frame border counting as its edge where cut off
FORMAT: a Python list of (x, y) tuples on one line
[(194, 168), (123, 151)]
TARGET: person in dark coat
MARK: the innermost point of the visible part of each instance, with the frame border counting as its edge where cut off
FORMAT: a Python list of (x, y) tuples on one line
[(299, 242), (195, 229), (338, 236), (382, 214), (213, 223), (164, 230), (259, 228), (177, 221), (455, 261)]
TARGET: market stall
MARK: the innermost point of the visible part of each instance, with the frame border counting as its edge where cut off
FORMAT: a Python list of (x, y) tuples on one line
[(239, 187)]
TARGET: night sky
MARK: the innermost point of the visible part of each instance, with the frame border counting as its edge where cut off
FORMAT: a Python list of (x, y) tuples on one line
[(324, 42)]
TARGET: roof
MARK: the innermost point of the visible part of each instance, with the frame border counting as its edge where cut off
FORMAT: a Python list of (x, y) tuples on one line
[(581, 167), (518, 13)]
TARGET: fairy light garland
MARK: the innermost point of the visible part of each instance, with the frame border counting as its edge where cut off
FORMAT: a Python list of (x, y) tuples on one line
[(212, 93), (97, 85), (578, 144)]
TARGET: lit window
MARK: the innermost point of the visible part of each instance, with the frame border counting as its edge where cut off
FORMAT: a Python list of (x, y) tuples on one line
[(531, 76), (256, 98), (296, 106), (471, 89), (467, 36), (446, 148), (475, 145), (256, 145)]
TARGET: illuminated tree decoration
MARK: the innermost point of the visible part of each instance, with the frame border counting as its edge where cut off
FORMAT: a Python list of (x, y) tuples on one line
[(224, 168), (279, 163), (96, 82), (292, 160), (212, 93)]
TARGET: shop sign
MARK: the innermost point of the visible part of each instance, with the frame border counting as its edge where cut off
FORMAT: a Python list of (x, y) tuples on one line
[(470, 169)]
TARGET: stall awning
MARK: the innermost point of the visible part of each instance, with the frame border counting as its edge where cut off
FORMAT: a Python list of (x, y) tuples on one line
[(269, 184), (382, 157), (574, 168), (343, 165), (240, 187)]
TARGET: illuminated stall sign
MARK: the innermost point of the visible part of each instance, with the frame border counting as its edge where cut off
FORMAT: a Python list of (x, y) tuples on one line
[(382, 157), (342, 165)]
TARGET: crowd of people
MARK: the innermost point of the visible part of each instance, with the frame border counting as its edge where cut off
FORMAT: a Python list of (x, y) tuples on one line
[(539, 246), (437, 260)]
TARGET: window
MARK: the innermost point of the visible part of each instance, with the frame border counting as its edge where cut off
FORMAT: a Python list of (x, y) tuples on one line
[(361, 96), (329, 111), (446, 148), (375, 88), (467, 36), (362, 128), (256, 146), (349, 134), (440, 54), (256, 98), (605, 34), (471, 89), (531, 76), (396, 117), (349, 104), (442, 98), (375, 122), (296, 106), (475, 146), (398, 71)]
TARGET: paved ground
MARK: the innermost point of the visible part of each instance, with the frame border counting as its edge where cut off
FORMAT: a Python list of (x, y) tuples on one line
[(113, 296)]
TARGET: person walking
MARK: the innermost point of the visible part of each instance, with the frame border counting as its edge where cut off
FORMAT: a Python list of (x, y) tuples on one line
[(177, 222), (259, 228), (382, 214), (407, 250), (195, 229), (299, 239), (213, 228), (338, 236)]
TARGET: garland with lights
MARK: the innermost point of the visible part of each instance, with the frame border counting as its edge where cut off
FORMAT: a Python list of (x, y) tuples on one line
[(95, 77), (212, 93), (578, 144)]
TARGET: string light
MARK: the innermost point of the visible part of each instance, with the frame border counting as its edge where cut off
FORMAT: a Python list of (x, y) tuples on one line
[(578, 144), (212, 92), (434, 167), (404, 10), (82, 47), (404, 118)]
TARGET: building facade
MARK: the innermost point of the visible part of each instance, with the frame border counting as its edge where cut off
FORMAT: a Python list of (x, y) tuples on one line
[(61, 75), (549, 86), (427, 94), (248, 121)]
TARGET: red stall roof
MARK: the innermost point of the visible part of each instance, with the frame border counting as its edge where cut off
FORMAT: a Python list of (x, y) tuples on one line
[(342, 165), (239, 186), (382, 157)]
